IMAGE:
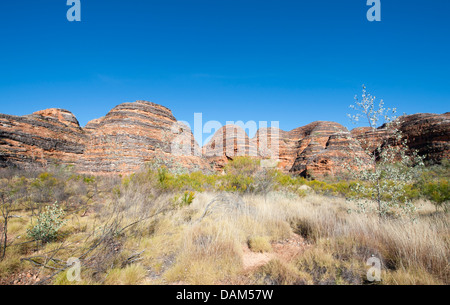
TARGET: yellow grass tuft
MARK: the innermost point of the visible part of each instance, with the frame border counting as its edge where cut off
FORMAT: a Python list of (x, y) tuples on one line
[(259, 244), (130, 275)]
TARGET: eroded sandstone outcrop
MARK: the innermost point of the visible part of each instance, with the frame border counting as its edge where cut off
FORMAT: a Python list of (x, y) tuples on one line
[(327, 148), (229, 141), (134, 134), (48, 136), (429, 134), (128, 137)]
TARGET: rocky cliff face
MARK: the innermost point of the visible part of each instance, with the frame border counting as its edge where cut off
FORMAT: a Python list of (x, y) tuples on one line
[(129, 136), (132, 134), (327, 148), (229, 141), (52, 135), (311, 142), (318, 148), (429, 134)]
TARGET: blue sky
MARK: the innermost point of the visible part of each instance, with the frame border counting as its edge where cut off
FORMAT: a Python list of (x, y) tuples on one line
[(288, 61)]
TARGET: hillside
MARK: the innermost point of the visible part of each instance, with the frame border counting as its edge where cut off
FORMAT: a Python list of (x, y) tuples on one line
[(133, 134)]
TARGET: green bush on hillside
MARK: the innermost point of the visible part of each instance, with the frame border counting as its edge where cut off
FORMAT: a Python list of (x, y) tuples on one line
[(48, 224)]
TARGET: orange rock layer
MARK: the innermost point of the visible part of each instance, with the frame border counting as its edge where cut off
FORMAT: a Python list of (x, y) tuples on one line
[(133, 134)]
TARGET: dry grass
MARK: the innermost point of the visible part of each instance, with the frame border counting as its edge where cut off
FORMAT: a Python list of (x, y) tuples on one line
[(259, 244), (179, 246), (402, 244), (130, 275), (10, 264), (278, 272), (341, 241), (209, 254)]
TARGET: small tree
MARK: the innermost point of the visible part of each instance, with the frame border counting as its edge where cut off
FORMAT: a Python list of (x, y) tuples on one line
[(11, 190), (386, 166), (5, 209)]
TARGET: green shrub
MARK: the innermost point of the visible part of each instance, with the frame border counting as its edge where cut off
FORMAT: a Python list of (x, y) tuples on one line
[(127, 180), (438, 192), (163, 176), (237, 183), (48, 224), (44, 186), (187, 198), (89, 180), (243, 166)]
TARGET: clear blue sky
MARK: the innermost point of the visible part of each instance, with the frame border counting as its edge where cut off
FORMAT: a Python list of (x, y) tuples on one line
[(292, 61)]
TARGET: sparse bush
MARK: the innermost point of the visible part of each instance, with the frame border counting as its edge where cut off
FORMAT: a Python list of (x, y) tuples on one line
[(382, 170), (187, 198), (237, 183), (245, 166), (438, 192), (48, 224), (163, 177)]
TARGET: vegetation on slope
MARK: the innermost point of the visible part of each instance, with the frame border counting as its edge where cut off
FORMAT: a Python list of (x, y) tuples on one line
[(247, 226)]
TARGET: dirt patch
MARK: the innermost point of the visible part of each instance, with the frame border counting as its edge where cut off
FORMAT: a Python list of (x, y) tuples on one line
[(288, 249), (252, 260), (285, 250), (23, 278)]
